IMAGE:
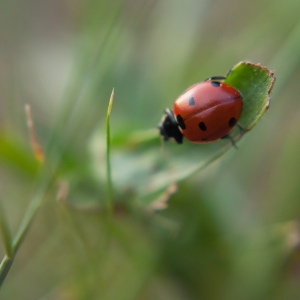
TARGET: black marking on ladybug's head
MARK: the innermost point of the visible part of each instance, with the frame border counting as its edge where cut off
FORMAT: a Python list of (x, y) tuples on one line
[(191, 101), (232, 122), (168, 128), (202, 126), (180, 122), (215, 83)]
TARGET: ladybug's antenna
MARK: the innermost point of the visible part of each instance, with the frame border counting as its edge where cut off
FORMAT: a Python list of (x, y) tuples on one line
[(216, 78)]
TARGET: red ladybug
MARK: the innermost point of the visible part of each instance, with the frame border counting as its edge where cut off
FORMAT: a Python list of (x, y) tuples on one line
[(205, 112)]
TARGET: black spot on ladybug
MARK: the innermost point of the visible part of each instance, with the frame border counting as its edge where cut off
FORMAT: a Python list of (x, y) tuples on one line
[(180, 122), (216, 83), (202, 126), (191, 101), (204, 139), (232, 122)]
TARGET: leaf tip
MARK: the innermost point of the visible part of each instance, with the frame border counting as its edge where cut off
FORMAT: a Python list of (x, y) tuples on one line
[(111, 100)]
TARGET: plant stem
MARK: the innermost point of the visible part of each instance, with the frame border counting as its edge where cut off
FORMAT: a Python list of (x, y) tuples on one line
[(27, 220), (5, 267), (5, 233), (109, 198), (23, 229)]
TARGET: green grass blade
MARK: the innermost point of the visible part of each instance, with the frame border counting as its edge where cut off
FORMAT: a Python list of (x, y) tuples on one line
[(5, 233), (109, 198), (4, 268)]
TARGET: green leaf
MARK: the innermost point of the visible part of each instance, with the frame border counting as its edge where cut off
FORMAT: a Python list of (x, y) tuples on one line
[(145, 169), (255, 82)]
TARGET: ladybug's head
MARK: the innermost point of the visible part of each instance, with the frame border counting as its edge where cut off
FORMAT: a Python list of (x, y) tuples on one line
[(168, 128)]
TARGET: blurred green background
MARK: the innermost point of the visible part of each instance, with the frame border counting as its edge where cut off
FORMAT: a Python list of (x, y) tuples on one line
[(230, 231)]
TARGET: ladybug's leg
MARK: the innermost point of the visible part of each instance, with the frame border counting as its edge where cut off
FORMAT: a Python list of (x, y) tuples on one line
[(216, 78), (242, 132), (241, 129), (228, 136), (230, 70)]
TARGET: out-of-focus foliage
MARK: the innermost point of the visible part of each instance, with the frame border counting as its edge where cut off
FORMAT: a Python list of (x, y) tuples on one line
[(230, 232)]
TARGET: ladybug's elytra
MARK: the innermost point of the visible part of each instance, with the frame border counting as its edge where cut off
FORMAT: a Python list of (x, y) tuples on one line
[(205, 112)]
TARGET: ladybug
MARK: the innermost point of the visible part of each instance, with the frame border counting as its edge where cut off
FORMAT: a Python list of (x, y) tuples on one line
[(205, 112)]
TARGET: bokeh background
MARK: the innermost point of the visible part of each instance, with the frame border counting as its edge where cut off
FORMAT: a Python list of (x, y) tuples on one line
[(230, 231)]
